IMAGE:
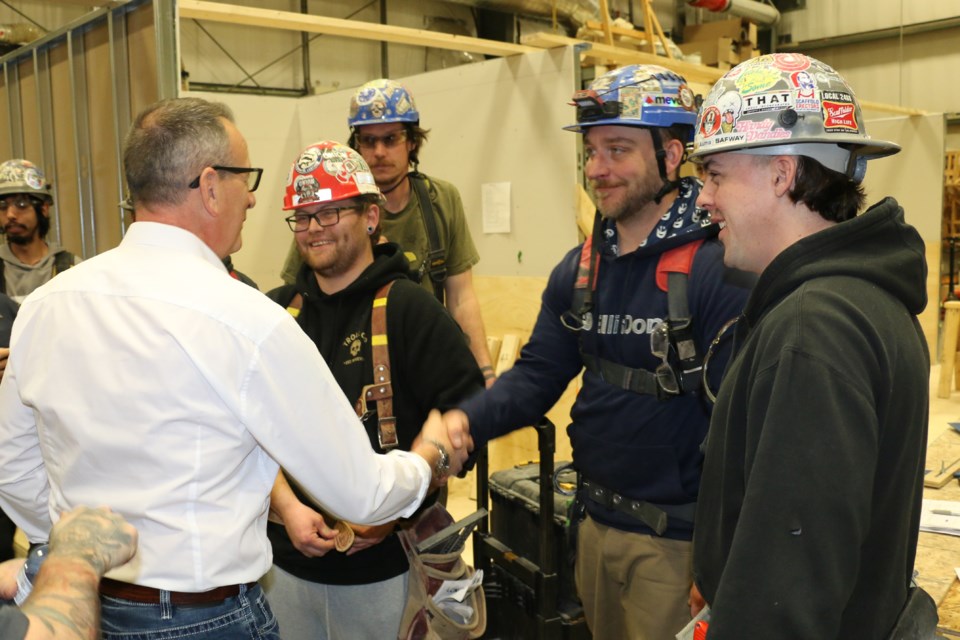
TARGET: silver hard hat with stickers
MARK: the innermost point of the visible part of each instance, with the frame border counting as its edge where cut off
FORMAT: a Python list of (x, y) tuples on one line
[(787, 104), (22, 176)]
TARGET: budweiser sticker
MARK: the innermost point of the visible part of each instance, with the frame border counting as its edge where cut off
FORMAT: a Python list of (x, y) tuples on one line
[(839, 116)]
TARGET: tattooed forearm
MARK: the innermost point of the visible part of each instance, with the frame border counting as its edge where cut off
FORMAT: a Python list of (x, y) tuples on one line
[(64, 601)]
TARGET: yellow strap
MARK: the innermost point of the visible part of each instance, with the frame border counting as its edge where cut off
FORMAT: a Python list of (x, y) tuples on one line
[(293, 311), (378, 340), (380, 302)]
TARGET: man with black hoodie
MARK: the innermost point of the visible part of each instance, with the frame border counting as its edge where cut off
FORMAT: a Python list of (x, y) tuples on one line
[(353, 299), (810, 501)]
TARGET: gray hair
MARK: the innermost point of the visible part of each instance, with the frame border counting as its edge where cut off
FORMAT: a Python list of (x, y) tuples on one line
[(169, 144)]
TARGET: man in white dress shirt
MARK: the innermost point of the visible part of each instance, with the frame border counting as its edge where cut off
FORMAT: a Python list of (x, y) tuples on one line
[(149, 380)]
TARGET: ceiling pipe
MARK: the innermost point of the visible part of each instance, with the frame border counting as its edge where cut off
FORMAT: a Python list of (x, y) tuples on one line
[(762, 14)]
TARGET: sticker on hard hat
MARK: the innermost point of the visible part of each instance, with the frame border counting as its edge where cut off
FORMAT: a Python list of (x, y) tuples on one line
[(308, 190), (767, 101), (839, 116), (756, 79), (791, 61), (308, 160), (33, 179)]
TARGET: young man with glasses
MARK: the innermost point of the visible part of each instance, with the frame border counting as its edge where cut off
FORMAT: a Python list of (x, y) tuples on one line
[(424, 215), (172, 393), (615, 307), (27, 258), (813, 479), (317, 591)]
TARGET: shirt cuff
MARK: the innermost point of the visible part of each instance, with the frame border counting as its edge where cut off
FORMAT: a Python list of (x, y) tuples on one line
[(425, 474)]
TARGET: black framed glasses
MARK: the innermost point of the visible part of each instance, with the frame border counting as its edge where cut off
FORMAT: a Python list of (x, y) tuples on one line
[(252, 175), (20, 202), (660, 347), (325, 217), (389, 141)]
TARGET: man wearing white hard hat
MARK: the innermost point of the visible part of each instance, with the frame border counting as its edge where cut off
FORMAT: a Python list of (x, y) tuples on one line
[(810, 500)]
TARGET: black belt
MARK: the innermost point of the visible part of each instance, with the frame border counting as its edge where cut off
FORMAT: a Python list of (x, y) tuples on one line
[(655, 516), (149, 595)]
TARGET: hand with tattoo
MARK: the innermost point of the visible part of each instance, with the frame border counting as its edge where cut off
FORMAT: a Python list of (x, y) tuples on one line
[(84, 544), (97, 536)]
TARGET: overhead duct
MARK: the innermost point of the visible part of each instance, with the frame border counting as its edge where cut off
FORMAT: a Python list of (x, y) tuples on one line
[(762, 14), (576, 12), (13, 36)]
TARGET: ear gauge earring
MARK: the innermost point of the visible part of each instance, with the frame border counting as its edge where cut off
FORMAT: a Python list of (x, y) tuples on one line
[(370, 230)]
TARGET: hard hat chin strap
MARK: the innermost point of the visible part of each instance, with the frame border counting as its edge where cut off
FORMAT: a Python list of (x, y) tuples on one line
[(661, 155)]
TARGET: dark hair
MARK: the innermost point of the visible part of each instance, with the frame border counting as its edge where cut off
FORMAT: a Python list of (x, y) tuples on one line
[(43, 221), (681, 132), (415, 134), (367, 200), (169, 144), (830, 193)]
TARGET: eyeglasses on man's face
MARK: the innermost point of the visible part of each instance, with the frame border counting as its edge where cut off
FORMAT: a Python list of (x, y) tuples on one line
[(20, 202), (326, 217), (251, 174), (392, 139)]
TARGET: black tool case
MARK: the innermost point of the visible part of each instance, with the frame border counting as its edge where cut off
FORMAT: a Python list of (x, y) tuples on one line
[(524, 550)]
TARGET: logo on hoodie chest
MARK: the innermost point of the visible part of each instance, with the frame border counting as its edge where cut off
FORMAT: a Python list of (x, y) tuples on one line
[(353, 344)]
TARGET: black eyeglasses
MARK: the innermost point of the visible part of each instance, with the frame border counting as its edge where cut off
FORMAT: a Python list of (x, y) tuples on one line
[(252, 175), (389, 141), (325, 218), (660, 347), (713, 346), (23, 202)]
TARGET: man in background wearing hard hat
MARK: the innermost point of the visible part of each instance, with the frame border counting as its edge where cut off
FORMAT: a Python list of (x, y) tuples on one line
[(422, 214), (27, 259)]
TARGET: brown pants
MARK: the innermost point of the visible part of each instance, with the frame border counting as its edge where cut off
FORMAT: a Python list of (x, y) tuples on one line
[(633, 586)]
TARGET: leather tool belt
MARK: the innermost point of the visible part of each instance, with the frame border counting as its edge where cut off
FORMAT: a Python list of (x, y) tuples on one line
[(655, 516), (149, 595)]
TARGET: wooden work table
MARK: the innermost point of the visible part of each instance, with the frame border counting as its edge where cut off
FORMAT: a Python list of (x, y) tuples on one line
[(938, 555)]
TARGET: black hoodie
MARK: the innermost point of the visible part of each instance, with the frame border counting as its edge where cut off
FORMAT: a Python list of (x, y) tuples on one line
[(810, 499), (431, 367)]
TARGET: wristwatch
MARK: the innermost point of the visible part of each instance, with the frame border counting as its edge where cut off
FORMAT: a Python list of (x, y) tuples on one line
[(442, 468)]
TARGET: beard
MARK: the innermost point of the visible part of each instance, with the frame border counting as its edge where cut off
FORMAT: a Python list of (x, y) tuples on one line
[(20, 238), (637, 196)]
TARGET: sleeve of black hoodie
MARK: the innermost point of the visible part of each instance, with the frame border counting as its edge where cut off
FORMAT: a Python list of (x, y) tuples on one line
[(435, 365)]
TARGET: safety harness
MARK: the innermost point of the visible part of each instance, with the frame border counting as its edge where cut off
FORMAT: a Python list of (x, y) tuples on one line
[(673, 270), (380, 391), (436, 254), (62, 261)]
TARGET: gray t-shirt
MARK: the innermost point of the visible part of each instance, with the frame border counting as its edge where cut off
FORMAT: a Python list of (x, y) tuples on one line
[(21, 279)]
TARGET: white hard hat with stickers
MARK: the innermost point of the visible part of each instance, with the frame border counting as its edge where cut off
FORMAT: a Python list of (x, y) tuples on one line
[(788, 104)]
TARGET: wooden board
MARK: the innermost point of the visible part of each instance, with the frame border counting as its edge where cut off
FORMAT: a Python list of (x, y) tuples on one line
[(289, 20)]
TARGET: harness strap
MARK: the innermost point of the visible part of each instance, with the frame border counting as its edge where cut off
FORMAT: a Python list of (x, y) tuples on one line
[(436, 254), (381, 390), (655, 516), (636, 380)]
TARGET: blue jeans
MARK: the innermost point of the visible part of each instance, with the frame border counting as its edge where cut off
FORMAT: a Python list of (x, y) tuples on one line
[(246, 616)]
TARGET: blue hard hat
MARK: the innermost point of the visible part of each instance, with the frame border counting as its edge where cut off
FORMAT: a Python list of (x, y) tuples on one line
[(380, 102), (638, 95)]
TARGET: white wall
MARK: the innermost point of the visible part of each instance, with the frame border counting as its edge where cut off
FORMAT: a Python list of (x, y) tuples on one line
[(272, 131), (494, 121), (915, 178)]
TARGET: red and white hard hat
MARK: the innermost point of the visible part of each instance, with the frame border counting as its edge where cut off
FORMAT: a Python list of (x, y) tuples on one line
[(327, 171)]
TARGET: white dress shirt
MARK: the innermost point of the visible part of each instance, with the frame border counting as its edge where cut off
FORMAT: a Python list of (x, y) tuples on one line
[(148, 380)]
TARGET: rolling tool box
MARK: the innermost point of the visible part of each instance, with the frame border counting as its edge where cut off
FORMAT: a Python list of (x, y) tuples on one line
[(524, 550)]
